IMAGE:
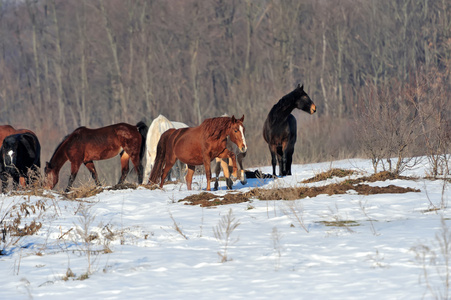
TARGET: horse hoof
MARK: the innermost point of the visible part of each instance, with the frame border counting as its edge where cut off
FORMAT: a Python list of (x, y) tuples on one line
[(216, 186), (244, 181), (229, 183)]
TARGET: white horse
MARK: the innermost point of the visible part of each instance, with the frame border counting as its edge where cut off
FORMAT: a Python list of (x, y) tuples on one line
[(156, 129)]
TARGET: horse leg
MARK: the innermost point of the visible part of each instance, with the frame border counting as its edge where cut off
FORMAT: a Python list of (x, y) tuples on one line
[(287, 158), (218, 164), (147, 168), (221, 163), (124, 166), (74, 167), (138, 166), (189, 176), (207, 167), (23, 181), (283, 159), (240, 158), (4, 180), (92, 170), (167, 168), (228, 154), (16, 181), (289, 161), (273, 151)]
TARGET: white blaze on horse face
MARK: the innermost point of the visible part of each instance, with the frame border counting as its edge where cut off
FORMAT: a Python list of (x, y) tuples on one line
[(244, 139), (10, 154)]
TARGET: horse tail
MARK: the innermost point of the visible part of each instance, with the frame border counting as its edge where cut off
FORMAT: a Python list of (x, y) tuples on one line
[(142, 128), (159, 162)]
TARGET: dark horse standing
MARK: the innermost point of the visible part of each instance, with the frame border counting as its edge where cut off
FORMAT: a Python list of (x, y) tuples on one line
[(20, 157), (86, 145), (280, 128)]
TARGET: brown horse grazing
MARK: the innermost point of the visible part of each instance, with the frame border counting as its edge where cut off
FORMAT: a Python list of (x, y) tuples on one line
[(280, 130), (85, 145), (6, 130), (196, 146)]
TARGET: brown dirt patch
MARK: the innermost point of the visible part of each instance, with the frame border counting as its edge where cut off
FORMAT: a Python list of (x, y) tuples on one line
[(330, 189), (381, 176), (330, 174), (206, 199)]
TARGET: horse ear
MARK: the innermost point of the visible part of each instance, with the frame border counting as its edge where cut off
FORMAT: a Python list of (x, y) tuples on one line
[(233, 119), (242, 119)]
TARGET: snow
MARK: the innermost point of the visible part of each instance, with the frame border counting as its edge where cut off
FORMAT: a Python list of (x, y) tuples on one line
[(271, 255)]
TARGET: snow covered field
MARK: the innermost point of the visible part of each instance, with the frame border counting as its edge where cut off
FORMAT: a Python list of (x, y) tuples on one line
[(147, 245)]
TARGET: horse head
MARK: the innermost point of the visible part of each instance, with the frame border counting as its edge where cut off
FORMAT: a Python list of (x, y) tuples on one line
[(303, 101), (51, 176), (9, 153), (236, 133)]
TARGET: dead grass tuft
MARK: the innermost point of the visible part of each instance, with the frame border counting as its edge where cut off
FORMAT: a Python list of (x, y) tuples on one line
[(205, 199), (123, 186), (330, 174), (330, 189), (82, 192), (340, 223), (151, 186)]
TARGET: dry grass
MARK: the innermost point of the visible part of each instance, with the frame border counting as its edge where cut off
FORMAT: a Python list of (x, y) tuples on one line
[(205, 199), (330, 174), (85, 191)]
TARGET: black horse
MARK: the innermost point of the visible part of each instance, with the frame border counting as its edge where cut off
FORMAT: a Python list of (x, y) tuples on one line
[(280, 130), (20, 156)]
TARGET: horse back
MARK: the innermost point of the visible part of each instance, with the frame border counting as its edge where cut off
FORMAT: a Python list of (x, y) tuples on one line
[(32, 148), (6, 130), (275, 132)]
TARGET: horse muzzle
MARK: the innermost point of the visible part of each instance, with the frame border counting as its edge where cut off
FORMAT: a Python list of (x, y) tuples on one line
[(312, 109), (243, 149)]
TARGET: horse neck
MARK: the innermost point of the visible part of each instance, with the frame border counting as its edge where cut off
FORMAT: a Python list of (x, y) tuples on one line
[(216, 127), (59, 157), (282, 109)]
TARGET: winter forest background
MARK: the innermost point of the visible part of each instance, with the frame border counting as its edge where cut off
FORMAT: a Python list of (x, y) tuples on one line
[(378, 71)]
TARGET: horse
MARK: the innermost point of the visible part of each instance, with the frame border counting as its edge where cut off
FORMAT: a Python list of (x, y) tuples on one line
[(158, 126), (20, 156), (85, 145), (279, 129), (6, 130), (198, 146), (227, 166)]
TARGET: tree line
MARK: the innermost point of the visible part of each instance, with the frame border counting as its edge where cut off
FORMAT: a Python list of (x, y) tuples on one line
[(71, 63)]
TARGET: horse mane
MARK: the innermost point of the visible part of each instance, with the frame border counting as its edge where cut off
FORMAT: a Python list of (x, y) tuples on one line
[(63, 141), (285, 105), (216, 127)]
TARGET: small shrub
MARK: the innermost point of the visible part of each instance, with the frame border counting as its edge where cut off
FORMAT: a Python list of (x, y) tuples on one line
[(223, 232)]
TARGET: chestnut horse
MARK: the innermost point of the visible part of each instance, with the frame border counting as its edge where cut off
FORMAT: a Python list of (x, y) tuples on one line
[(196, 146), (86, 145), (6, 130), (280, 130)]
